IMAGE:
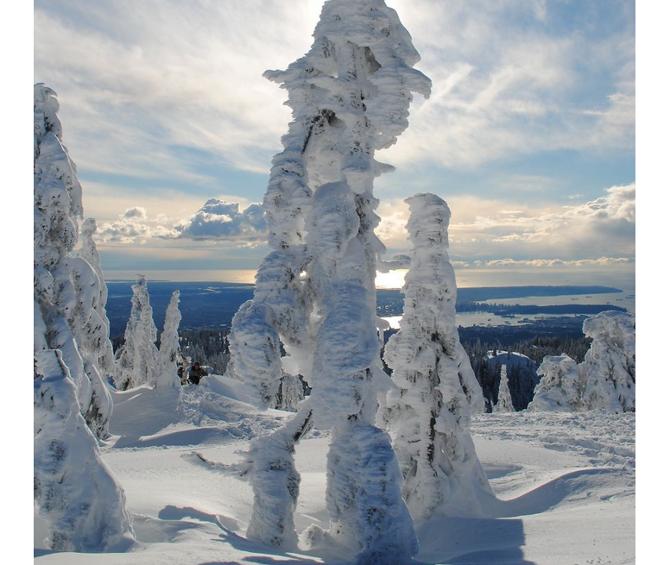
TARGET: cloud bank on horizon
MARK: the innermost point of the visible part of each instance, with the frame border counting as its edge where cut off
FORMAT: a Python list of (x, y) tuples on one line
[(530, 120)]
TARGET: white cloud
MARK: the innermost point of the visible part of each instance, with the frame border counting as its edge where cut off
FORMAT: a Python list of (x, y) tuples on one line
[(486, 229), (138, 81), (219, 220), (216, 220)]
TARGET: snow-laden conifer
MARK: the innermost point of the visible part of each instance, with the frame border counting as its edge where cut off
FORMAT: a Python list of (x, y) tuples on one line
[(169, 354), (63, 276), (315, 293), (560, 388), (504, 403), (436, 389), (605, 380), (608, 369), (137, 359), (74, 491)]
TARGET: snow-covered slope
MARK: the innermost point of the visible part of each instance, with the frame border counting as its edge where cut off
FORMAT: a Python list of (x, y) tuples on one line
[(565, 483)]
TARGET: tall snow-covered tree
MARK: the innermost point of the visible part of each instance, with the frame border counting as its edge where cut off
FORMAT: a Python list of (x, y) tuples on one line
[(504, 403), (74, 491), (608, 369), (71, 281), (436, 389), (315, 293), (137, 359), (169, 355)]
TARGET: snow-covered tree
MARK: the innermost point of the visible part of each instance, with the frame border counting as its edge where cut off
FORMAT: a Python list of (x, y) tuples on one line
[(137, 359), (74, 491), (315, 293), (64, 277), (560, 388), (608, 369), (504, 403), (605, 380), (169, 355), (436, 389)]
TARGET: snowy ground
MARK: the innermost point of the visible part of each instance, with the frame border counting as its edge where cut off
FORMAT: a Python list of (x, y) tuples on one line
[(566, 484)]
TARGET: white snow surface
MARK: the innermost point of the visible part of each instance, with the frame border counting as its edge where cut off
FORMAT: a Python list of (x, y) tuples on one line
[(564, 482)]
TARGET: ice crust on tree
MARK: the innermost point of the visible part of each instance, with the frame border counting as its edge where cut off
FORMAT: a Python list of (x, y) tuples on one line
[(504, 403), (169, 352), (65, 277), (436, 389), (608, 369), (276, 482), (560, 387), (315, 293), (74, 491), (605, 380), (137, 358)]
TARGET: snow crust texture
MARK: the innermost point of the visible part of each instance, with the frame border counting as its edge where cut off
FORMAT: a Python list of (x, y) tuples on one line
[(605, 380), (137, 359), (436, 389), (74, 491)]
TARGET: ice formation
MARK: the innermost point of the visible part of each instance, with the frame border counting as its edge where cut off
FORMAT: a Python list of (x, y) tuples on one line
[(504, 403), (605, 380), (74, 490), (560, 388), (608, 369), (436, 389), (169, 355), (62, 276), (315, 293), (137, 358)]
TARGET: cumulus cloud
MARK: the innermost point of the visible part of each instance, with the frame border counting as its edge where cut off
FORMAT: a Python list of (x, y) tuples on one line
[(488, 229), (216, 220), (219, 220)]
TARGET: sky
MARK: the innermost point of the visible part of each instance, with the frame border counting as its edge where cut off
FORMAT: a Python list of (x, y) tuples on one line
[(528, 134)]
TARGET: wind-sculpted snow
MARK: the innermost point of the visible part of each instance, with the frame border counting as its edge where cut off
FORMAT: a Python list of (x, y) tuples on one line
[(436, 390), (169, 354), (75, 493), (255, 351), (363, 496), (349, 96), (605, 380), (137, 359), (276, 482)]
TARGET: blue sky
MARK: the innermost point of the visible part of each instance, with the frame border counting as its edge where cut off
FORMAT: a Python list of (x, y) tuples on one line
[(529, 132)]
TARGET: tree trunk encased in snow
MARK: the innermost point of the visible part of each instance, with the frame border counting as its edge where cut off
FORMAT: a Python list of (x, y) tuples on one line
[(137, 359), (169, 355), (315, 292), (74, 491), (436, 389), (504, 403)]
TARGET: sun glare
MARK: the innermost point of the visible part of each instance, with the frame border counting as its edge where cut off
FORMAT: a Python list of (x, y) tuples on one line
[(392, 279)]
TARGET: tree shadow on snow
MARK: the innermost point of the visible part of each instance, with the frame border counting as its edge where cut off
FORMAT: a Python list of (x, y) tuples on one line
[(472, 541)]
